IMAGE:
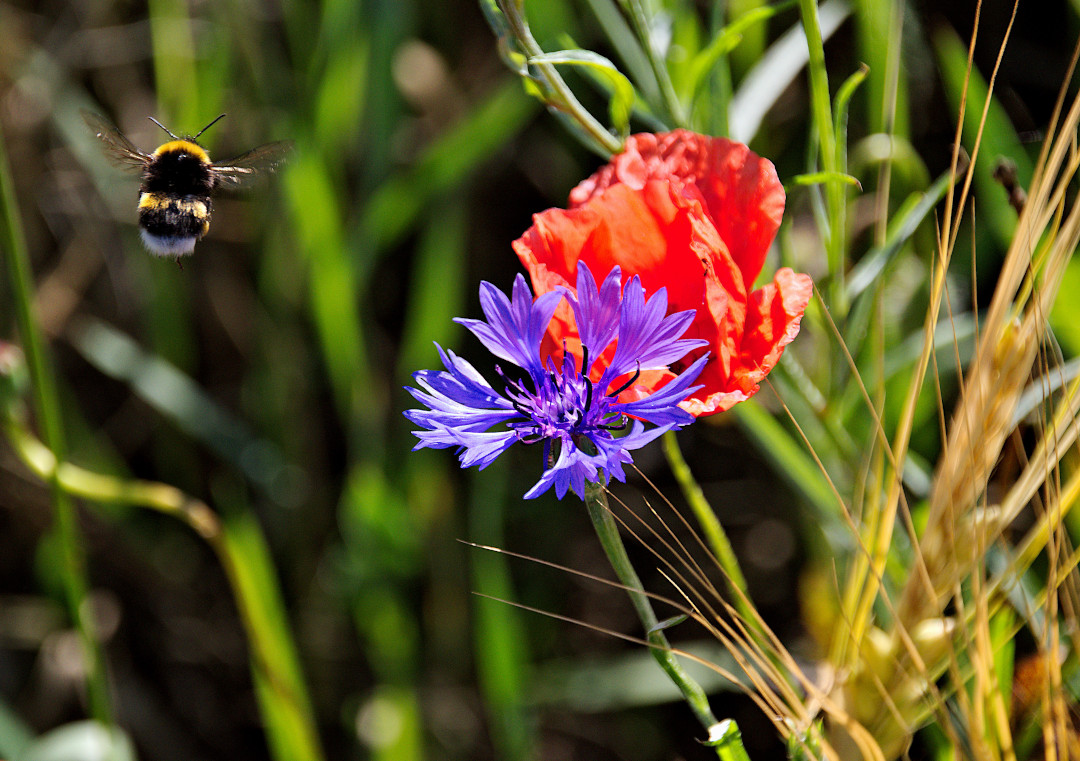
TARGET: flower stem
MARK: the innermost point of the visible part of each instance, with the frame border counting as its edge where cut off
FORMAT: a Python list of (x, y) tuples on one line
[(727, 739), (560, 95), (710, 524), (47, 412), (608, 533)]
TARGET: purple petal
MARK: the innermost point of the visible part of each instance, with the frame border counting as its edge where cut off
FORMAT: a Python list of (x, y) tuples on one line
[(514, 327), (596, 313)]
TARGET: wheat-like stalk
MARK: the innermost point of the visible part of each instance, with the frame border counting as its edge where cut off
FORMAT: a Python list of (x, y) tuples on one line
[(939, 641)]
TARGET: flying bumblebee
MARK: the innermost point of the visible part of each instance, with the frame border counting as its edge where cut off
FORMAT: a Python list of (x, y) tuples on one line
[(178, 179)]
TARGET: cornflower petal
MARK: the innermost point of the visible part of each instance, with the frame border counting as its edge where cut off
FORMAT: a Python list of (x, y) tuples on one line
[(648, 340), (514, 327), (571, 471), (597, 312), (616, 451), (662, 406), (581, 423)]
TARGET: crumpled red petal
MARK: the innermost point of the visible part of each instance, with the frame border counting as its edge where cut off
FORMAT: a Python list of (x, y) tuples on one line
[(740, 190), (693, 214)]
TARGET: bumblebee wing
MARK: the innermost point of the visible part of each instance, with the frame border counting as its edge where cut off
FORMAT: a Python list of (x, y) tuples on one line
[(240, 171), (118, 148)]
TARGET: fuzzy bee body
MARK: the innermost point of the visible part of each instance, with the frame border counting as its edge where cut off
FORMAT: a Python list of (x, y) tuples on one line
[(178, 181)]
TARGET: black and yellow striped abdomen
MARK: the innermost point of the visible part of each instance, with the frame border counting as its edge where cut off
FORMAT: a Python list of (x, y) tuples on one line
[(174, 201)]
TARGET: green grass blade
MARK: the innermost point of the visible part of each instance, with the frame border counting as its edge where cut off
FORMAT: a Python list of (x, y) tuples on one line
[(282, 695), (15, 735), (47, 410), (620, 89), (332, 284), (176, 396), (627, 46), (790, 460)]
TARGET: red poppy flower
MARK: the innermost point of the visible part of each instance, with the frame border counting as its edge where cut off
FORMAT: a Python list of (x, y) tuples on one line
[(693, 214)]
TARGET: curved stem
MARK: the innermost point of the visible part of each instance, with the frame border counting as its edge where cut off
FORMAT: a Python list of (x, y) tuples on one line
[(608, 533), (240, 549), (564, 97)]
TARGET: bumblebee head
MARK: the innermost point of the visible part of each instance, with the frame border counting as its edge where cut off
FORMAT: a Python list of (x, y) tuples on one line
[(180, 151)]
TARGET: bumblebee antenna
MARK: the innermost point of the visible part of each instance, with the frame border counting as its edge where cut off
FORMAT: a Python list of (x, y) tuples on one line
[(167, 130), (208, 126)]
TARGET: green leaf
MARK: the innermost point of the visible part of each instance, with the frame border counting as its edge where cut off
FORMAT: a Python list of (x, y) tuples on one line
[(842, 100), (173, 394), (788, 456), (727, 40), (279, 683), (905, 223), (667, 623), (820, 178), (622, 90), (626, 44), (15, 736)]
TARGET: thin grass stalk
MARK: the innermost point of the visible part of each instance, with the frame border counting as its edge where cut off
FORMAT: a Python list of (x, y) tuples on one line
[(752, 633), (607, 531), (500, 645), (777, 718), (49, 418), (1038, 535), (757, 650), (991, 700), (877, 520), (991, 390), (788, 713), (1007, 348), (888, 117), (785, 712), (880, 547)]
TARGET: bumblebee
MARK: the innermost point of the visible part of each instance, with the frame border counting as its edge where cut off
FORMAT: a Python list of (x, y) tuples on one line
[(178, 180)]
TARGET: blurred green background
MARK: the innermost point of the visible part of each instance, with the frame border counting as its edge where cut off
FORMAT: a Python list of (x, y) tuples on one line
[(265, 377)]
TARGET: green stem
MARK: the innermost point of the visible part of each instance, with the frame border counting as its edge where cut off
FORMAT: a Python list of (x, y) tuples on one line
[(47, 411), (640, 21), (727, 739), (608, 533), (564, 98), (710, 524), (830, 158)]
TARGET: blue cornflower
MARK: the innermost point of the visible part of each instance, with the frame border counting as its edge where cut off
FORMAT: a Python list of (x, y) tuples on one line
[(587, 433)]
